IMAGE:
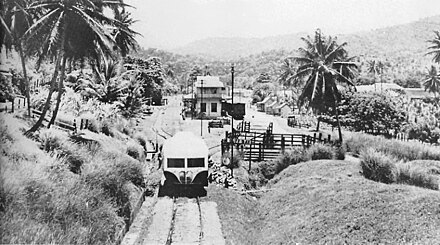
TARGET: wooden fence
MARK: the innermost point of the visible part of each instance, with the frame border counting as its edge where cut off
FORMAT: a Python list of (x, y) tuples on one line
[(261, 146), (73, 126)]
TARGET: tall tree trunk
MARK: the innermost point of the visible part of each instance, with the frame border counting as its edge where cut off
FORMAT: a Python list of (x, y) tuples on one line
[(60, 92), (335, 106), (26, 81), (53, 81)]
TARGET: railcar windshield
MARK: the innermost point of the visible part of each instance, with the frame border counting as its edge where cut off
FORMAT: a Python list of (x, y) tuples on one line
[(196, 162), (176, 162)]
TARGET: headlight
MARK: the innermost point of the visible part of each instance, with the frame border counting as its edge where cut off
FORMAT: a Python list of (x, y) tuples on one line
[(182, 176), (189, 175)]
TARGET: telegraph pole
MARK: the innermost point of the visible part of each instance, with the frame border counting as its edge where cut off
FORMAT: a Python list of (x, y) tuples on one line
[(201, 113), (232, 120)]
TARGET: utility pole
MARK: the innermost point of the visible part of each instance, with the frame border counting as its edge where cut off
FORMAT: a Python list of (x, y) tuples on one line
[(232, 120), (201, 113), (192, 100)]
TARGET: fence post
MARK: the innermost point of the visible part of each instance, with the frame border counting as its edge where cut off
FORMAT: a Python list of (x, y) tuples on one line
[(250, 155), (81, 125), (260, 152), (303, 140), (282, 144), (320, 137), (329, 138), (74, 125), (314, 138)]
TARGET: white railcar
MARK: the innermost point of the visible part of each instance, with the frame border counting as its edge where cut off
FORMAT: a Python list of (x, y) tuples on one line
[(185, 160)]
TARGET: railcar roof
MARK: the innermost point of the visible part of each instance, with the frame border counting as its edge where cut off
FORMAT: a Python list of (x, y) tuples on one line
[(185, 144)]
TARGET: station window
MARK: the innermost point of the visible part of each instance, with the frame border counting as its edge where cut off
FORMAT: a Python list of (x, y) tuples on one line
[(213, 107), (176, 162), (196, 162), (203, 107)]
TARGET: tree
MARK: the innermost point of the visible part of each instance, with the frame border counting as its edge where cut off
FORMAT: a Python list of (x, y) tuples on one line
[(288, 78), (323, 63), (435, 48), (14, 22), (432, 81), (376, 68), (109, 86), (69, 29), (124, 36)]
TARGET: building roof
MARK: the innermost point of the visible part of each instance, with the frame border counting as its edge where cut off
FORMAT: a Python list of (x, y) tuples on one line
[(272, 104), (209, 82), (282, 105), (418, 93), (265, 100)]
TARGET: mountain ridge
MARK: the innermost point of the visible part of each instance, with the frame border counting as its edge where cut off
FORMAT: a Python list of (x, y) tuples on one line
[(409, 37)]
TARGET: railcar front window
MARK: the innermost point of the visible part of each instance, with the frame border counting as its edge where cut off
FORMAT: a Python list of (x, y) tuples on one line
[(196, 162), (176, 162)]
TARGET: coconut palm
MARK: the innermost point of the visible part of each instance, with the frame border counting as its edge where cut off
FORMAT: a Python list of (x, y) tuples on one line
[(14, 22), (70, 30), (432, 81), (287, 77), (323, 64), (435, 48)]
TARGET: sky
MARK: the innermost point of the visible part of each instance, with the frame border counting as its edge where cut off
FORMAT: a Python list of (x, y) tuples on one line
[(173, 23)]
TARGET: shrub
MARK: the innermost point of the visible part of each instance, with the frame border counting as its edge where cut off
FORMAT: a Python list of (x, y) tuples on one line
[(320, 151), (406, 151), (74, 154), (93, 126), (134, 150), (290, 157), (261, 173), (237, 158), (106, 128), (5, 135), (340, 151), (141, 140), (51, 139), (378, 166), (417, 176)]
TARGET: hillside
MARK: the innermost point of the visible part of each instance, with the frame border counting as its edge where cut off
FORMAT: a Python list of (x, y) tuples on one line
[(403, 40), (227, 48), (330, 202)]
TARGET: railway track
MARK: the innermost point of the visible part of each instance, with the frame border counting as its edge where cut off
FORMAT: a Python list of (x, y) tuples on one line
[(186, 227)]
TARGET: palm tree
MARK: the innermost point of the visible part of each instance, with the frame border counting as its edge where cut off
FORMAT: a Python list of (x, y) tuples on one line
[(435, 47), (124, 36), (70, 30), (287, 77), (432, 81), (322, 64), (14, 22)]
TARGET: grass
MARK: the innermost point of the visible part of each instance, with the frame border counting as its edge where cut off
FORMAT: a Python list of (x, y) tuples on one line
[(378, 167), (238, 215), (407, 151), (44, 200), (328, 201)]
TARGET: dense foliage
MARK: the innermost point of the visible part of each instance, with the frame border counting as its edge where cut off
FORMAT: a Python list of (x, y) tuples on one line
[(376, 113)]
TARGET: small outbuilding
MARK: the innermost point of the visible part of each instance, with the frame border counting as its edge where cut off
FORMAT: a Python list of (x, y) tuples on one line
[(261, 106), (283, 110)]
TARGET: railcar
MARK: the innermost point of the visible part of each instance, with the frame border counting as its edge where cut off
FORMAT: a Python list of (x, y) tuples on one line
[(185, 161)]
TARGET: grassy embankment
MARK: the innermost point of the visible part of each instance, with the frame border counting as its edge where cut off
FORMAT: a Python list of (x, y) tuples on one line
[(67, 190), (338, 201)]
